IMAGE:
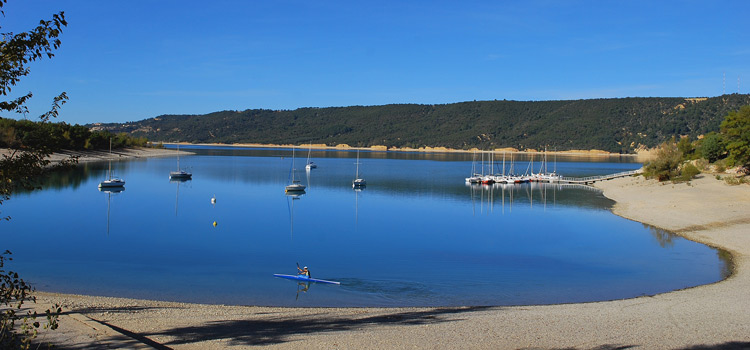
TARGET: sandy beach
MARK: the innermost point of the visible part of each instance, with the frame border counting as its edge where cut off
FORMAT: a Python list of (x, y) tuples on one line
[(103, 155), (715, 316)]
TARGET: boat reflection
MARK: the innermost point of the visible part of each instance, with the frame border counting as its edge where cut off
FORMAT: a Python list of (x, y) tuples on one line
[(539, 193), (290, 198), (307, 172), (178, 181), (357, 190), (110, 191)]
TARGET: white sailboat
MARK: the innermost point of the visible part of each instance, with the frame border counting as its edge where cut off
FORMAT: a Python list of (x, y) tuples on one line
[(180, 174), (358, 182), (310, 164), (296, 185), (111, 182), (475, 177)]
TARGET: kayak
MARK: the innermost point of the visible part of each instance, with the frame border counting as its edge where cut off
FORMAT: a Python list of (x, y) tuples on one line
[(304, 278)]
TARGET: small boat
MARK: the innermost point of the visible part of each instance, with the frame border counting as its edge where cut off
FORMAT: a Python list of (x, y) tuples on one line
[(296, 185), (179, 174), (358, 182), (304, 278), (111, 182)]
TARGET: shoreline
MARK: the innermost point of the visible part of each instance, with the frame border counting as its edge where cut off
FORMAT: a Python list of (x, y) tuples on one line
[(118, 154), (716, 315), (644, 155)]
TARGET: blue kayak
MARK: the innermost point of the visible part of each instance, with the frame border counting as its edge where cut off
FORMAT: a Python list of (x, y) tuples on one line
[(303, 278)]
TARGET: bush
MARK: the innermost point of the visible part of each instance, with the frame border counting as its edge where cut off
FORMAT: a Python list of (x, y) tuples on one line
[(688, 172), (721, 165), (666, 164), (733, 180), (687, 149)]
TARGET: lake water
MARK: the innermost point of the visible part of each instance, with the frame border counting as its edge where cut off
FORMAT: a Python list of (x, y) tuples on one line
[(417, 235)]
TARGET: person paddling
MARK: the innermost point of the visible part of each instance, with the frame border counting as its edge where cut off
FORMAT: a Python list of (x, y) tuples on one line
[(304, 271)]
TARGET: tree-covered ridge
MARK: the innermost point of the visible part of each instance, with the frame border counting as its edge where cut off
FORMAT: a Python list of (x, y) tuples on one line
[(614, 125)]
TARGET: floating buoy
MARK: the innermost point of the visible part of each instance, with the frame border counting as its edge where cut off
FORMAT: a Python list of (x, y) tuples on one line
[(214, 223), (213, 201)]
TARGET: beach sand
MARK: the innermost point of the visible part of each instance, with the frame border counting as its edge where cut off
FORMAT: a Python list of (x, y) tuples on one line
[(715, 316), (101, 156)]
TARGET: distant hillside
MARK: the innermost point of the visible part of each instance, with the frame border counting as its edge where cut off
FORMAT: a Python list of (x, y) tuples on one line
[(614, 125)]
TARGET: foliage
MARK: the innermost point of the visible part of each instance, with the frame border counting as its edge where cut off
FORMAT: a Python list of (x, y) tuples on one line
[(615, 125), (58, 136), (666, 164), (687, 148), (736, 180), (24, 162), (712, 147), (688, 172), (14, 291), (18, 50), (736, 130)]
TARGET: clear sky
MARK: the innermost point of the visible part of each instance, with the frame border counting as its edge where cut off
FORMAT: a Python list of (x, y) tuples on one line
[(131, 60)]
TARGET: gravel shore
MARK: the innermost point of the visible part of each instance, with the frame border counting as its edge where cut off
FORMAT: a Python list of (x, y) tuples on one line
[(715, 316), (104, 155)]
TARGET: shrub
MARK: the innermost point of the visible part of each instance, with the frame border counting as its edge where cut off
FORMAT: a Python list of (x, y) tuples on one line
[(666, 164), (688, 172), (733, 180)]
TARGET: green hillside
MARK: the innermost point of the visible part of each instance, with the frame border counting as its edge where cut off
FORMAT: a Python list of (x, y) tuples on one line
[(614, 125)]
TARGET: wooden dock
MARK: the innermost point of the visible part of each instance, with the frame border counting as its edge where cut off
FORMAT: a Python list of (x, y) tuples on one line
[(592, 179)]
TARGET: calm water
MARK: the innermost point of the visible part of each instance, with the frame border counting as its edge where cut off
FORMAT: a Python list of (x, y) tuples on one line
[(416, 236)]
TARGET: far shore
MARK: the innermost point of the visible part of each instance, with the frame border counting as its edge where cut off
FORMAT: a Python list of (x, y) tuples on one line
[(714, 316), (146, 152), (641, 155)]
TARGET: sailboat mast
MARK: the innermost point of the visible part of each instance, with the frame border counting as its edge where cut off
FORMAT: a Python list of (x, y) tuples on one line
[(555, 166), (357, 171), (109, 167), (503, 163)]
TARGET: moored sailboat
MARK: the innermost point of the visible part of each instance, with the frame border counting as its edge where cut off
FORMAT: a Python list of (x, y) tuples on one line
[(358, 182), (296, 185), (310, 164), (111, 182), (180, 174)]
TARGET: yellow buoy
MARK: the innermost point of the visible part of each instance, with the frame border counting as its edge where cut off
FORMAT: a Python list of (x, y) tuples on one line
[(214, 223)]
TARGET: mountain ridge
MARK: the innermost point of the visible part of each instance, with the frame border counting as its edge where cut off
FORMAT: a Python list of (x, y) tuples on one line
[(617, 125)]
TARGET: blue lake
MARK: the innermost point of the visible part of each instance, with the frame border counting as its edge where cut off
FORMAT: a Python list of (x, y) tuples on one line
[(417, 235)]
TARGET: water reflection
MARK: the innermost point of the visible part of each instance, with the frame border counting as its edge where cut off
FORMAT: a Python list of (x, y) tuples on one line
[(291, 197), (178, 181), (667, 239), (539, 193), (110, 192), (663, 237), (302, 287), (357, 191)]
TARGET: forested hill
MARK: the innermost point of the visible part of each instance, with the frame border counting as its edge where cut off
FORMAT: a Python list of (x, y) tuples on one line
[(614, 125)]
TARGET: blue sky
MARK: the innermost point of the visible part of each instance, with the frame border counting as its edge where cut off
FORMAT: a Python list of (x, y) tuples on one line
[(131, 60)]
